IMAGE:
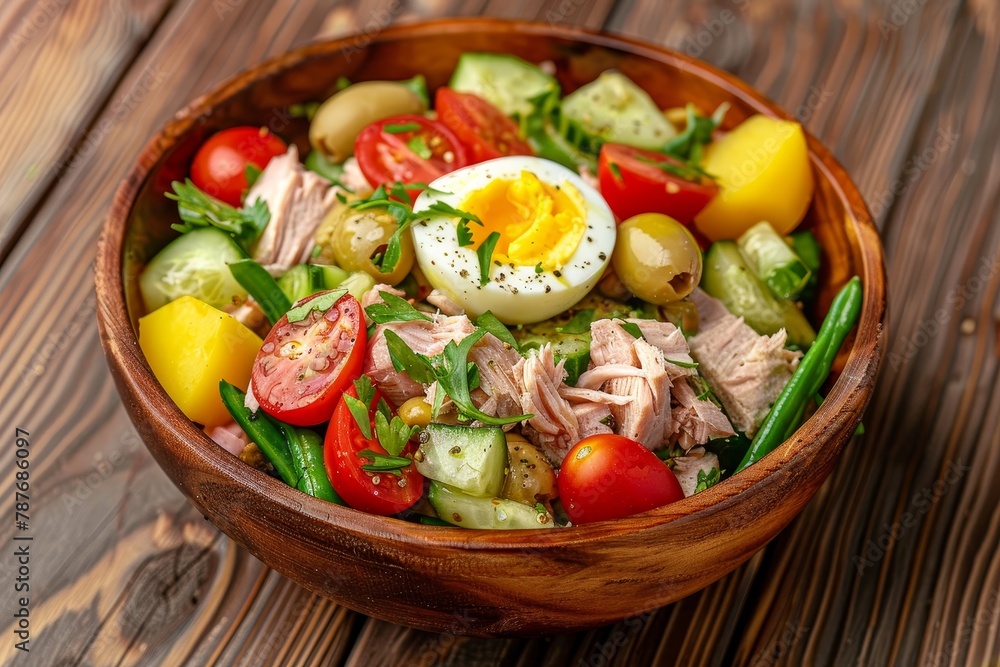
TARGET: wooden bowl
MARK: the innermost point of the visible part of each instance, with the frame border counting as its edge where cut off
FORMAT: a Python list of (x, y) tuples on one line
[(486, 583)]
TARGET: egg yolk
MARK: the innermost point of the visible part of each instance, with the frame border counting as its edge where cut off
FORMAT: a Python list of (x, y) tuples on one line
[(538, 223)]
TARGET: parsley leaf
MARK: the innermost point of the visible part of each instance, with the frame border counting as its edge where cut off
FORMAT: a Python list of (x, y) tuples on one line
[(452, 373), (399, 128), (383, 462), (688, 146), (705, 480), (394, 309), (321, 302), (579, 324), (419, 146), (485, 254), (361, 405), (197, 209), (393, 434), (252, 173), (631, 327), (417, 366), (447, 209), (490, 322), (682, 364), (616, 171), (464, 233)]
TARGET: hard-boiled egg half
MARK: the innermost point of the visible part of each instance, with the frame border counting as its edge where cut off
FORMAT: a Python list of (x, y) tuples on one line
[(554, 238)]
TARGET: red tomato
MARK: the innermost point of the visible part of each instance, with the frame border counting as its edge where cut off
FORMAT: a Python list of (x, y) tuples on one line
[(303, 367), (641, 187), (220, 165), (378, 493), (413, 149), (610, 477), (483, 128)]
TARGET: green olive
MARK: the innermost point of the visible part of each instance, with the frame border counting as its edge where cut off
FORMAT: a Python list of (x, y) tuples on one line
[(353, 237), (657, 258), (338, 121), (530, 477)]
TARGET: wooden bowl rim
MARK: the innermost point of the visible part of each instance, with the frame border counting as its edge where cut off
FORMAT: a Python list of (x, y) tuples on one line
[(846, 400)]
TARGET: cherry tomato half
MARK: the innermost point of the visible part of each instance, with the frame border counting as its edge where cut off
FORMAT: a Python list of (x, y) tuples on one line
[(303, 367), (635, 184), (377, 493), (610, 477), (220, 165), (408, 149), (483, 128)]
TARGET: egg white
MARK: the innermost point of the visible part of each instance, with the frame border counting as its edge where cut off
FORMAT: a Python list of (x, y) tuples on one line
[(515, 294)]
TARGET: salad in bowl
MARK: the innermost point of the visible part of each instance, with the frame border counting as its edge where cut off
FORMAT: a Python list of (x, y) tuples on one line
[(492, 305)]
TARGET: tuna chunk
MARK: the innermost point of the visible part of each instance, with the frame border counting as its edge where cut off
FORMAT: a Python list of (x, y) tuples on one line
[(686, 468), (745, 370), (661, 407), (695, 420), (443, 302), (498, 378), (554, 427), (298, 200), (593, 418), (427, 338)]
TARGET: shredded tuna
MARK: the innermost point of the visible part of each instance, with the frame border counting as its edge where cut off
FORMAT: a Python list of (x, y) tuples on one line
[(443, 302), (745, 370), (298, 200), (554, 427), (427, 338), (581, 395), (498, 378), (374, 295), (230, 437), (686, 468), (593, 419), (695, 420), (659, 406)]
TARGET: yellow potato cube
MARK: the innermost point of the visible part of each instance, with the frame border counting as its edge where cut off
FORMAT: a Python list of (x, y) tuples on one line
[(762, 168), (191, 346)]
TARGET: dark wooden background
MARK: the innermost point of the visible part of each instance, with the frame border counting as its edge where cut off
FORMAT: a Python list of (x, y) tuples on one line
[(895, 561)]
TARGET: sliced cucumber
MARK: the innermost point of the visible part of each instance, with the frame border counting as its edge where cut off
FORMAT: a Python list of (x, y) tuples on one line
[(469, 459), (507, 82), (195, 264), (613, 109), (303, 280), (574, 349), (461, 509), (357, 283)]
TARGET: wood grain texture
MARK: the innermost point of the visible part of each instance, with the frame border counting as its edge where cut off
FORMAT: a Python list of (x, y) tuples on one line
[(59, 62), (808, 603)]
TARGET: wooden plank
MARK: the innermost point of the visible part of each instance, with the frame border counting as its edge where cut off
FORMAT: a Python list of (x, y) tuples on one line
[(906, 535), (59, 61)]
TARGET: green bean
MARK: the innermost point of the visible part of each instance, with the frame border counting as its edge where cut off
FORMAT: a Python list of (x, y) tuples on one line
[(786, 413), (306, 448), (262, 430), (262, 287)]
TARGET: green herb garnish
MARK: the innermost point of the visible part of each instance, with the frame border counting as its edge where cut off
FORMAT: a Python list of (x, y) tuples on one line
[(705, 480), (485, 254), (399, 128), (198, 210), (490, 322), (321, 302), (394, 309), (616, 171), (361, 406), (631, 328), (383, 462), (452, 371), (579, 324), (419, 146), (252, 173), (391, 431)]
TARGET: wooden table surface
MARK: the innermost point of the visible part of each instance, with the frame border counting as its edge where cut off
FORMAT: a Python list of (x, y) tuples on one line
[(894, 562)]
